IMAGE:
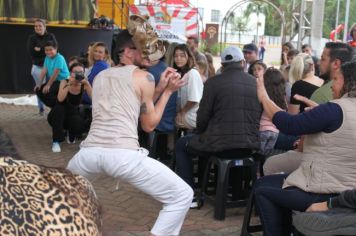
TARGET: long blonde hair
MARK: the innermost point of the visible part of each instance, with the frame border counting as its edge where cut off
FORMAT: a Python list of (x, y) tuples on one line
[(107, 58), (301, 65)]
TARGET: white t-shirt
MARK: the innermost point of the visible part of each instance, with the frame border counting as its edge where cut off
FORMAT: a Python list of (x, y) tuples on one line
[(193, 92)]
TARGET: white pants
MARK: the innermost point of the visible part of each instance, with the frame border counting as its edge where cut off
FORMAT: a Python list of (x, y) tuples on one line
[(146, 174)]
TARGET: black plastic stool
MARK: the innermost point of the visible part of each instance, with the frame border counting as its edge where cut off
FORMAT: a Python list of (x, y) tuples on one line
[(224, 165)]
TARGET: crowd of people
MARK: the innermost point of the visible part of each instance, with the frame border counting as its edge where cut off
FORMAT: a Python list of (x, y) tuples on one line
[(304, 108)]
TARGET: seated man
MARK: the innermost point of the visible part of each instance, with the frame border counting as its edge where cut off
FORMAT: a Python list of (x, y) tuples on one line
[(228, 118), (337, 216)]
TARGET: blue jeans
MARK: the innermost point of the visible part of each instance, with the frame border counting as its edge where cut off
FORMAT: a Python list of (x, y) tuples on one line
[(184, 161), (275, 204), (36, 72)]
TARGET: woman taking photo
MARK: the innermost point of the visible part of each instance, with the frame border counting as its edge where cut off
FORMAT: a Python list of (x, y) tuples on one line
[(189, 95), (65, 114), (35, 47)]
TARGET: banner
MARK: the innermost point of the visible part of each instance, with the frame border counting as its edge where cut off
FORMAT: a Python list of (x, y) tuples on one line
[(171, 23), (211, 34)]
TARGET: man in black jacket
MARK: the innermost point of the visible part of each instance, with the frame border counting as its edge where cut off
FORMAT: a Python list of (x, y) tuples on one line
[(228, 117)]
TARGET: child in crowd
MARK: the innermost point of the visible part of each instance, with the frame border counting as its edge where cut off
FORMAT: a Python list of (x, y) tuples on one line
[(55, 69), (189, 95), (275, 86), (291, 55)]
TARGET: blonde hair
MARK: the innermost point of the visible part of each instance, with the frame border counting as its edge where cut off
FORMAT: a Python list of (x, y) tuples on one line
[(301, 65), (107, 58)]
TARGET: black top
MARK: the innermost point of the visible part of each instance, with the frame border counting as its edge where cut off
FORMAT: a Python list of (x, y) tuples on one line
[(304, 89), (36, 40), (75, 99), (229, 113)]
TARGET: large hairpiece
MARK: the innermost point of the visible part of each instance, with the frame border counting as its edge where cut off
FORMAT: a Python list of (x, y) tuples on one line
[(145, 38)]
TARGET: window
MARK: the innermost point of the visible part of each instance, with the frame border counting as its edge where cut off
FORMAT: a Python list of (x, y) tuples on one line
[(215, 15)]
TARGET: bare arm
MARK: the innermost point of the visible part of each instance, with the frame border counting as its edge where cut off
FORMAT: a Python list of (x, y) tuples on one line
[(88, 89), (268, 105), (50, 81), (163, 82), (293, 109), (63, 90)]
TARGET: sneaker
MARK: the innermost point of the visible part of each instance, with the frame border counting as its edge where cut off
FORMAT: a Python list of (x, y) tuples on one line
[(194, 203), (56, 147)]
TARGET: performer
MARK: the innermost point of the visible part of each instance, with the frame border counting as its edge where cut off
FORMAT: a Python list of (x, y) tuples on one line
[(121, 95)]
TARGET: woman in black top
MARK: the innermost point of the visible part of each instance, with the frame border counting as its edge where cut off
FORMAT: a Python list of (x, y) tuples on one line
[(65, 114), (305, 82), (35, 47)]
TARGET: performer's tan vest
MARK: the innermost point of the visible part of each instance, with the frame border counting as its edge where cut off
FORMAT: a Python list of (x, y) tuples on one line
[(329, 159), (116, 108)]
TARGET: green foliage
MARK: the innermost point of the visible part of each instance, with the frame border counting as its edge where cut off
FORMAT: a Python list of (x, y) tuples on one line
[(273, 19), (330, 16)]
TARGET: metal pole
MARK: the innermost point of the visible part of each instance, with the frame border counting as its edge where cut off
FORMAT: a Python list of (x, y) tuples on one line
[(301, 25), (337, 17), (346, 19)]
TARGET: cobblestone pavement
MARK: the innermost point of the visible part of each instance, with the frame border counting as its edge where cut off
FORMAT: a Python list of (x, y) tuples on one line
[(126, 211)]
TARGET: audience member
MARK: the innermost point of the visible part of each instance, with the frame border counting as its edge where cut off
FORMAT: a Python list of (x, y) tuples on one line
[(291, 55), (169, 55), (228, 118), (121, 96), (352, 42), (65, 113), (193, 45), (99, 60), (306, 48), (211, 68), (202, 68), (262, 45), (251, 56), (35, 46), (274, 83), (329, 130), (189, 95), (54, 70), (304, 81), (333, 56), (288, 84), (286, 47), (332, 217)]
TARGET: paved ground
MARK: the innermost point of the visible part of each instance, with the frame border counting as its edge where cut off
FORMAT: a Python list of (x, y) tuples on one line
[(126, 211)]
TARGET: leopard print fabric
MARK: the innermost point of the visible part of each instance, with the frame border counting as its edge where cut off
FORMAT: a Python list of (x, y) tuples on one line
[(37, 200)]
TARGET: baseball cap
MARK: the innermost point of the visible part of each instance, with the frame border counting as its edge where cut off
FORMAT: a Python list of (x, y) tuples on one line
[(251, 47), (231, 54)]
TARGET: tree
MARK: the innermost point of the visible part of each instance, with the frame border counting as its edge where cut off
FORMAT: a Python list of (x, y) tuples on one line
[(273, 19), (239, 24)]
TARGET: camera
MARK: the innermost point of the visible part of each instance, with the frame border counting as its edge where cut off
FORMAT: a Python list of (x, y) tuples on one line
[(79, 75)]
